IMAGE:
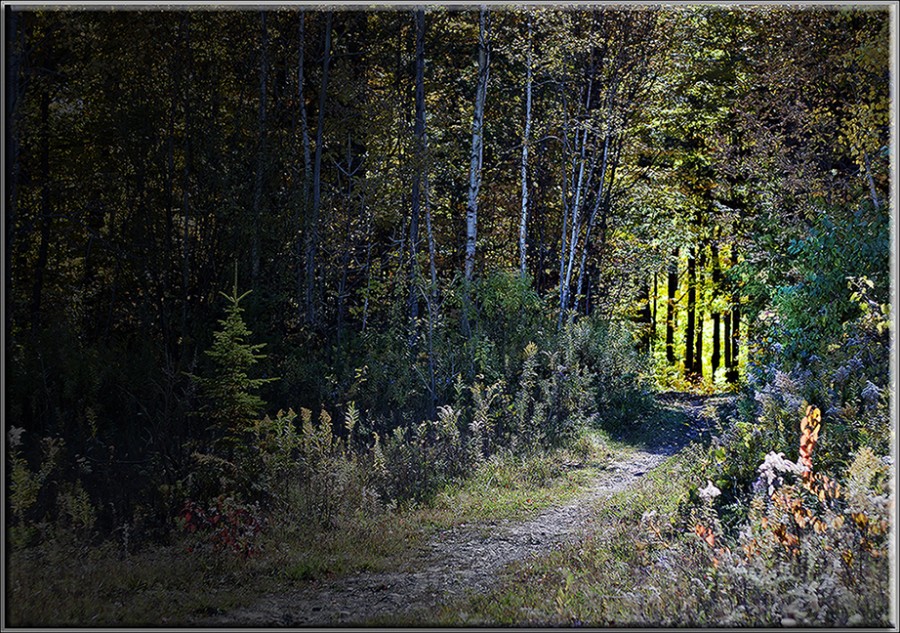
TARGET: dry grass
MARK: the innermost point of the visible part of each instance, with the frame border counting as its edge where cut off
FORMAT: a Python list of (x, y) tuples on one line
[(62, 583)]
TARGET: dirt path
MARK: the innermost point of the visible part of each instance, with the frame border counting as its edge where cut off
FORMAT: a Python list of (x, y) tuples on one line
[(462, 559)]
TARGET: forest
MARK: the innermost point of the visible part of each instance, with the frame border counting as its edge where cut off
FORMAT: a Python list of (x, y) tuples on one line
[(294, 293)]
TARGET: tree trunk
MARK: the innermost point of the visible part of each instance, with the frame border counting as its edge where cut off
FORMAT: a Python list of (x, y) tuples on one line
[(698, 282), (185, 200), (871, 181), (691, 310), (186, 236), (14, 89), (418, 177), (645, 318), (670, 308), (653, 316), (564, 195), (475, 162), (601, 202), (346, 251), (565, 285), (735, 325), (312, 234), (44, 244), (715, 360), (523, 222), (303, 207), (727, 341), (260, 151)]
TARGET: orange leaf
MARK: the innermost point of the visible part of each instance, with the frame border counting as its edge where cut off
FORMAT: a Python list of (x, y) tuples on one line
[(809, 435), (706, 534)]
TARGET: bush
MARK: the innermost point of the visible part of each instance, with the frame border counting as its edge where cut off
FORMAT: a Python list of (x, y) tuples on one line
[(812, 549)]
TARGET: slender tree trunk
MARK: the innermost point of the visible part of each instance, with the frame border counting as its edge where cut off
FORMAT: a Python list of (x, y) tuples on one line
[(46, 219), (260, 151), (670, 308), (14, 90), (601, 202), (368, 269), (421, 191), (698, 352), (735, 324), (691, 313), (186, 235), (716, 358), (303, 207), (348, 247), (871, 181), (418, 177), (653, 317), (185, 197), (645, 318), (432, 266), (523, 222), (475, 163), (564, 194), (726, 342), (170, 188), (312, 235), (564, 294)]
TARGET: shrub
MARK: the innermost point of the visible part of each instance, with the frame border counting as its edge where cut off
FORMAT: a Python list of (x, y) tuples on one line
[(43, 503), (226, 524)]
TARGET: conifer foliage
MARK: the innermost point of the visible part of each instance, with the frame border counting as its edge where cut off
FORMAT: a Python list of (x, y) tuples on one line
[(231, 399)]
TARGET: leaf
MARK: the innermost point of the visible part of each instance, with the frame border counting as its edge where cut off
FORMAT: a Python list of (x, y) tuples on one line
[(809, 435)]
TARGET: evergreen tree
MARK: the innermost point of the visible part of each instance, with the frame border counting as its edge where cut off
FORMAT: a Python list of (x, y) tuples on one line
[(231, 396)]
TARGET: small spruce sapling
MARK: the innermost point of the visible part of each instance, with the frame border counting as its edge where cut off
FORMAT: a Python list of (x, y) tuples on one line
[(232, 403)]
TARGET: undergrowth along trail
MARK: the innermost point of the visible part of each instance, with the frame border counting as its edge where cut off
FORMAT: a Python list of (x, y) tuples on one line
[(468, 558)]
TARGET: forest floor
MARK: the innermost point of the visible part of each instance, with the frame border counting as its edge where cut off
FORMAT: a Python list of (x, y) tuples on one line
[(468, 559)]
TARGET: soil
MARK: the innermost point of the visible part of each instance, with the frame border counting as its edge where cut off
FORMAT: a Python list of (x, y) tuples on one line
[(469, 557)]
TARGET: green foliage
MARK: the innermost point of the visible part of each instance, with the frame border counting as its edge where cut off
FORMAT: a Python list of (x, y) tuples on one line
[(231, 399), (25, 485), (811, 313), (44, 504)]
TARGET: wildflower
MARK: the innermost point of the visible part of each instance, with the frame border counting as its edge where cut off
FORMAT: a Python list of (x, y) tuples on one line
[(710, 492), (772, 467), (15, 436), (870, 393)]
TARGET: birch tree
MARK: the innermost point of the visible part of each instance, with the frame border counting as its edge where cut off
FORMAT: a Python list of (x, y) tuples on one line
[(475, 163), (526, 139)]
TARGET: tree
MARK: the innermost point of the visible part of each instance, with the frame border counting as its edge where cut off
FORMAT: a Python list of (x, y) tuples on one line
[(312, 233), (526, 139), (672, 287), (261, 149), (232, 400), (477, 153)]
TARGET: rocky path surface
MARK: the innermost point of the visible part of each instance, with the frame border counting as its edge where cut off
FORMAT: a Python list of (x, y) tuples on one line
[(465, 558)]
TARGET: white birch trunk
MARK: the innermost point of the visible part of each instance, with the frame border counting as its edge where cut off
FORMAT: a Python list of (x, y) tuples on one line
[(523, 223), (477, 144)]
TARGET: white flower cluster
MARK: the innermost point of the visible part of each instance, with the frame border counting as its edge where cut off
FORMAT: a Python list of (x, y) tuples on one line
[(871, 393), (773, 466), (15, 436), (710, 492)]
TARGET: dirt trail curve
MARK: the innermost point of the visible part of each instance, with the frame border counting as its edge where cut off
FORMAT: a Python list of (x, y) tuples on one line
[(461, 559)]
